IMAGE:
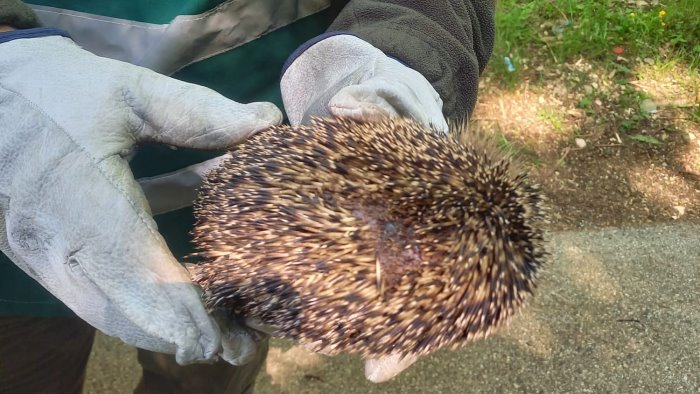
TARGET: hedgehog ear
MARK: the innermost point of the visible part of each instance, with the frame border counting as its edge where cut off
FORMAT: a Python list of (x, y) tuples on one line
[(382, 369)]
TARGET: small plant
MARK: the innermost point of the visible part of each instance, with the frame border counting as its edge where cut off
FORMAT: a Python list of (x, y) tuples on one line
[(647, 139), (585, 103), (516, 150), (633, 123), (505, 145), (553, 117)]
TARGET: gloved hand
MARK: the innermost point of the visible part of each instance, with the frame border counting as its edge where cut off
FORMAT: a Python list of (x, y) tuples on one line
[(345, 76), (71, 214)]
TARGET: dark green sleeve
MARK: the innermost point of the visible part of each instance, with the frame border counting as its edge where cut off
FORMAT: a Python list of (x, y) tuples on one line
[(17, 14), (448, 41)]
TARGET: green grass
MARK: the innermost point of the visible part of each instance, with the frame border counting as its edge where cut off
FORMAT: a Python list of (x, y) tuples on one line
[(645, 139), (563, 30), (553, 117), (517, 149)]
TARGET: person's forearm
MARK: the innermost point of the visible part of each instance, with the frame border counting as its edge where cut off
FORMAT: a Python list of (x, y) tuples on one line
[(5, 28), (448, 41)]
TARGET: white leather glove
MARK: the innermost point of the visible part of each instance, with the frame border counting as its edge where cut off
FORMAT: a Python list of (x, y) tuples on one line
[(343, 75), (71, 214)]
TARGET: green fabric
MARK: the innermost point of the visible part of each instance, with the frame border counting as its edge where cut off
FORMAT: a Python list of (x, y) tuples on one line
[(21, 295), (151, 11), (248, 73)]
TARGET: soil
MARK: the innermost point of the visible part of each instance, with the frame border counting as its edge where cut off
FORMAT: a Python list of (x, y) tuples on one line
[(587, 160)]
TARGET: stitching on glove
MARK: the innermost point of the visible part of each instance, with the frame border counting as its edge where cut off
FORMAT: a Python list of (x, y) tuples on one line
[(111, 180)]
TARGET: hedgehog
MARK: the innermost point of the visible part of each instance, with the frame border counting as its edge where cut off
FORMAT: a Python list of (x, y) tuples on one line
[(372, 238)]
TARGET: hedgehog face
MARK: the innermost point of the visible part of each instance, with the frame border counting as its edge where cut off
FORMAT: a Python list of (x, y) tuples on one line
[(376, 238)]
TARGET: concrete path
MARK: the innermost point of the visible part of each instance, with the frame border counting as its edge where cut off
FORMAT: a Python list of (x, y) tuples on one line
[(618, 310)]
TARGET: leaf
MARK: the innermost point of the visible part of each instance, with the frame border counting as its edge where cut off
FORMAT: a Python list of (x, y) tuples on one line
[(647, 139), (622, 69), (585, 102), (626, 125)]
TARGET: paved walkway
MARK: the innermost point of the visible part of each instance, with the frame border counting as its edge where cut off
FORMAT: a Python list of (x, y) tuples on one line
[(618, 310)]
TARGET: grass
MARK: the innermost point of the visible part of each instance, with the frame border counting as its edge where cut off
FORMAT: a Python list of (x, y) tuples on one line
[(613, 59), (645, 139), (604, 99), (600, 30), (514, 149), (553, 117)]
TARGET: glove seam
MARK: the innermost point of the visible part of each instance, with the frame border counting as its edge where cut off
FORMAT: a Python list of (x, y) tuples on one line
[(93, 159)]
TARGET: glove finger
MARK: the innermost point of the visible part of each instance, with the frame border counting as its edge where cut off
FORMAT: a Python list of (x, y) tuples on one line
[(156, 291), (176, 190), (239, 344), (187, 115), (149, 287), (382, 369)]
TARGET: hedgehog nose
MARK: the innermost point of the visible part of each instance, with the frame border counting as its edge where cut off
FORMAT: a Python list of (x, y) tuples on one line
[(382, 369)]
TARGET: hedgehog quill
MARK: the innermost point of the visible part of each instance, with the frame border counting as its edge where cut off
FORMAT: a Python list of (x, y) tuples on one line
[(375, 239)]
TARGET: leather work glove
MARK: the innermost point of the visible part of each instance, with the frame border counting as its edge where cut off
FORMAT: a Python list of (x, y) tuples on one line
[(345, 76), (71, 214)]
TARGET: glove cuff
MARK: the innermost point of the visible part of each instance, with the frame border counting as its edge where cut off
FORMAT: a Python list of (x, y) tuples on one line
[(17, 14), (31, 33), (308, 44)]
